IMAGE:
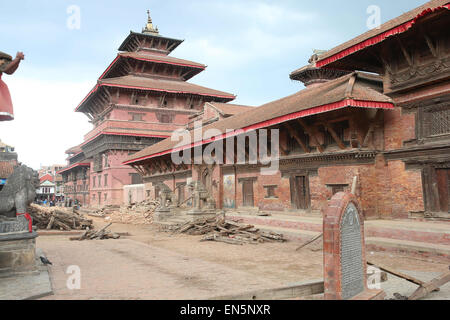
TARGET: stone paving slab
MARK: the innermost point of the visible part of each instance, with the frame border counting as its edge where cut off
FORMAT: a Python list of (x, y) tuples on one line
[(27, 287), (127, 269)]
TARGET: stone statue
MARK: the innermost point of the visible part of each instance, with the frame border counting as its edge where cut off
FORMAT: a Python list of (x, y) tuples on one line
[(203, 202), (18, 192), (8, 66), (165, 195)]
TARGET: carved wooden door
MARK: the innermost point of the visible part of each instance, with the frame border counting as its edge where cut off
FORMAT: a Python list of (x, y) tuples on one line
[(443, 182), (300, 192), (248, 198)]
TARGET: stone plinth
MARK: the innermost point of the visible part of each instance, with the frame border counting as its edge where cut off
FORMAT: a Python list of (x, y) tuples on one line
[(344, 254), (17, 253)]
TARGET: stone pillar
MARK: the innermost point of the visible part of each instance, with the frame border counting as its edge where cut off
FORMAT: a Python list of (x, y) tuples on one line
[(17, 246), (344, 251)]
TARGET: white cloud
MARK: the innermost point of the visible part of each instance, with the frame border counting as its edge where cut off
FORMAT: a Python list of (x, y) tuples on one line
[(45, 123)]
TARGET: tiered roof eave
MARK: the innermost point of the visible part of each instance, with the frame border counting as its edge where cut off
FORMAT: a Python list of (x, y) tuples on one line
[(194, 68), (127, 46)]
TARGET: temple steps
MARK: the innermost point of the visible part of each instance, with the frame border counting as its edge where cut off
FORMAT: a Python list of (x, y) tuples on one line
[(424, 238)]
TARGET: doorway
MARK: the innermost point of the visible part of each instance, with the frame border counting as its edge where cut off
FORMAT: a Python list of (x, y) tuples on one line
[(247, 193), (300, 192), (443, 186)]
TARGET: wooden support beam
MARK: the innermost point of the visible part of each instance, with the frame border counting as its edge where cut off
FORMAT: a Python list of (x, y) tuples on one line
[(431, 286), (405, 53), (334, 135), (171, 46), (429, 41), (371, 128), (311, 134), (161, 100), (297, 138)]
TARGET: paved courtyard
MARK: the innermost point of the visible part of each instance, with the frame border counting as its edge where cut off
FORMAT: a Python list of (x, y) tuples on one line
[(156, 265)]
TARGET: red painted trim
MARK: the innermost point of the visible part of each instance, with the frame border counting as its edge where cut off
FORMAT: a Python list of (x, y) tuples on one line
[(89, 94), (29, 219), (110, 66), (74, 166), (278, 120), (379, 38), (149, 89), (165, 90)]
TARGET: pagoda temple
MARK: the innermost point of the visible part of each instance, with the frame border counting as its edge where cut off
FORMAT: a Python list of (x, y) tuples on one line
[(139, 100)]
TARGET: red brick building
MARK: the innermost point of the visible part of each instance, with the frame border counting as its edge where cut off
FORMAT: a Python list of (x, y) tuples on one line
[(140, 99), (388, 126)]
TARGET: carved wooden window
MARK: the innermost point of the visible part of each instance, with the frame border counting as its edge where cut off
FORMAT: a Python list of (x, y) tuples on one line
[(438, 121), (93, 182), (165, 118), (137, 116), (106, 180), (270, 191)]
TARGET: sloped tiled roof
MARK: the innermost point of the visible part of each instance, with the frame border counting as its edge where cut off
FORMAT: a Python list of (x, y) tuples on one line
[(353, 90), (230, 109), (146, 83), (387, 29), (161, 58)]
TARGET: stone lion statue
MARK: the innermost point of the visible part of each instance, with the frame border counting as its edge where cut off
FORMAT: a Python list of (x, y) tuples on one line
[(19, 191)]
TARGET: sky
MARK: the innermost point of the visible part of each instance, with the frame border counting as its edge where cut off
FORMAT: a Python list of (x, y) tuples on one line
[(249, 46)]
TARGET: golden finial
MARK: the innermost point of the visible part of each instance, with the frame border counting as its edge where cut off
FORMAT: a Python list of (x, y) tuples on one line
[(149, 27)]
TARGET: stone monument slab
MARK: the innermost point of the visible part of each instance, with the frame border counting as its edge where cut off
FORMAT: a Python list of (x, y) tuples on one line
[(344, 253)]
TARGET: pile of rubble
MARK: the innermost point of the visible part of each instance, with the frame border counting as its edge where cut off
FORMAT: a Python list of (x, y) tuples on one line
[(55, 218), (136, 213), (218, 229)]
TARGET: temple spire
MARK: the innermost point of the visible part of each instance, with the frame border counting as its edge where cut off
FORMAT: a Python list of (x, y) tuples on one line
[(149, 27)]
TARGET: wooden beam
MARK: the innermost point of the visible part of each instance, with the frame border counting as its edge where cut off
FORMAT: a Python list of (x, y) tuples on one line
[(405, 53), (311, 134), (297, 138), (371, 128), (334, 135), (173, 45), (431, 286)]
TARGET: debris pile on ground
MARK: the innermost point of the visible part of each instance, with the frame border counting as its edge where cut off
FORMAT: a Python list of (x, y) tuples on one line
[(136, 213), (56, 218), (101, 234), (217, 229)]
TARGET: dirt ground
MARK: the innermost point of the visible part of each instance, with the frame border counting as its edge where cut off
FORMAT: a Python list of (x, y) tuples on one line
[(150, 264)]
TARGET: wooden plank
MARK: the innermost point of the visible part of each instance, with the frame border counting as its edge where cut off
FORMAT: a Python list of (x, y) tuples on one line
[(396, 273), (431, 286), (310, 241)]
